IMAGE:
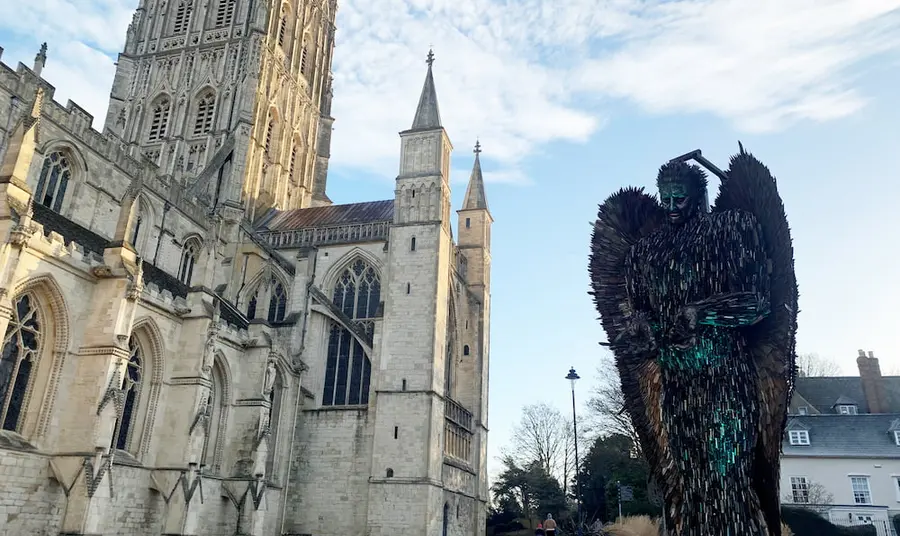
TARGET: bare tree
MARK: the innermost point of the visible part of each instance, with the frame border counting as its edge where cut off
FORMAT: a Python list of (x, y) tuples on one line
[(816, 365), (540, 437), (607, 404)]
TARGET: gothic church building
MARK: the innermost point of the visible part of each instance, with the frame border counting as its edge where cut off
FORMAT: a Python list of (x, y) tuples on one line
[(198, 341)]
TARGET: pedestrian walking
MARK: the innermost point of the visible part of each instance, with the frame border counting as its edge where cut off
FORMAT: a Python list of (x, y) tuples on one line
[(549, 526)]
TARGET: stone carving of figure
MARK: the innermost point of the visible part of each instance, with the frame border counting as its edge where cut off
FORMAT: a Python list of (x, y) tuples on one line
[(269, 382), (209, 352)]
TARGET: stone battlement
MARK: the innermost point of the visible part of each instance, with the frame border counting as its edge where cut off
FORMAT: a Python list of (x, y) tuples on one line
[(23, 82), (53, 243)]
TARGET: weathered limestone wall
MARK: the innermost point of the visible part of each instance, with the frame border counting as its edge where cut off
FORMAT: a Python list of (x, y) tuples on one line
[(31, 502), (330, 473)]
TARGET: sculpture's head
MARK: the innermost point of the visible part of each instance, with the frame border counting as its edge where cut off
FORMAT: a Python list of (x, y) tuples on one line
[(682, 191)]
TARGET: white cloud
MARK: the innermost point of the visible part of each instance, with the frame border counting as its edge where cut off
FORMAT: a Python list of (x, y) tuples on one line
[(521, 74)]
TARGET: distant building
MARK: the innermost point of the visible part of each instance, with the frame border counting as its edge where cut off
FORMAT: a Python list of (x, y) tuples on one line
[(842, 447)]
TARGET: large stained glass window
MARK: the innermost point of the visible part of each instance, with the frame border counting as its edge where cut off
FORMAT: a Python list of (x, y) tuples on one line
[(19, 360), (347, 367)]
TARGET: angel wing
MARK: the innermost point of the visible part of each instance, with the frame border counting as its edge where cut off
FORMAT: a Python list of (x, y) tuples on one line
[(623, 219), (749, 186)]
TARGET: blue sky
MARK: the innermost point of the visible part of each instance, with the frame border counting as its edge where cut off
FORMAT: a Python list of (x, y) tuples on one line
[(572, 100)]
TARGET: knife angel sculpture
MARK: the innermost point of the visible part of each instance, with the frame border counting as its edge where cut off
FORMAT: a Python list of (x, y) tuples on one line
[(700, 307)]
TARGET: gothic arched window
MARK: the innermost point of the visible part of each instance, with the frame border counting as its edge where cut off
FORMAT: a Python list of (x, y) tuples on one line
[(188, 259), (183, 16), (293, 163), (348, 369), (269, 130), (225, 13), (277, 301), (206, 110), (54, 179), (159, 119), (215, 410), (274, 418), (132, 386), (19, 359), (282, 27)]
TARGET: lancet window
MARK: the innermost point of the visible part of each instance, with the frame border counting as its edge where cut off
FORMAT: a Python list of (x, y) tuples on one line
[(274, 417), (277, 301), (188, 258), (159, 119), (348, 369), (132, 386), (183, 16), (215, 405), (282, 27), (225, 13), (53, 181), (19, 361), (206, 109), (269, 130)]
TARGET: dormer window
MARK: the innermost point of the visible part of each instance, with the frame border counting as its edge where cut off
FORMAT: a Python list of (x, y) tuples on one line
[(897, 437), (799, 437), (847, 409)]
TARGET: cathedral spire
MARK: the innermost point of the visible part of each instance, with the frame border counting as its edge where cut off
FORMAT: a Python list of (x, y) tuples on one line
[(475, 197), (40, 60), (428, 115)]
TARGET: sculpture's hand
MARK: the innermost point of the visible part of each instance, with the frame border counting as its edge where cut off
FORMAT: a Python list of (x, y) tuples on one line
[(683, 334)]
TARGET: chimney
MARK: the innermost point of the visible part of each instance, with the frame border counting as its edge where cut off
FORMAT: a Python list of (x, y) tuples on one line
[(872, 384)]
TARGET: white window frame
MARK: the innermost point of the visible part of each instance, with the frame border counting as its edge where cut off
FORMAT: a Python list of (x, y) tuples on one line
[(896, 480), (855, 481), (848, 409), (799, 484), (802, 410), (798, 437), (897, 437)]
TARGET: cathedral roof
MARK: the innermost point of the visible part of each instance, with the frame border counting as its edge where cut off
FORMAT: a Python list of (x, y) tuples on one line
[(303, 218)]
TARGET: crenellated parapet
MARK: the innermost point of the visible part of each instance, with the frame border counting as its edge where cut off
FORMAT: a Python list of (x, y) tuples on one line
[(76, 122)]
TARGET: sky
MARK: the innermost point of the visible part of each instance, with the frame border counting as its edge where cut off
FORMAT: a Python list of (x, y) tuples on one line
[(573, 100)]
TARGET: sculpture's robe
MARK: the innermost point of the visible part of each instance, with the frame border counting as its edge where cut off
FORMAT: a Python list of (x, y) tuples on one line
[(709, 402)]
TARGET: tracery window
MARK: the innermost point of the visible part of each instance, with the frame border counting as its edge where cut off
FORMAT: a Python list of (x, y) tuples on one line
[(188, 259), (225, 13), (206, 109), (183, 16), (54, 179), (277, 302), (348, 368), (132, 387), (20, 356), (159, 120)]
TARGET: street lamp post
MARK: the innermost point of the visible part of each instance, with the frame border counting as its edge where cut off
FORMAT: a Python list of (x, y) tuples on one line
[(573, 377)]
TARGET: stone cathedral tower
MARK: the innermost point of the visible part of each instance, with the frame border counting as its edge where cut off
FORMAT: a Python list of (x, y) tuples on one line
[(199, 343), (232, 98)]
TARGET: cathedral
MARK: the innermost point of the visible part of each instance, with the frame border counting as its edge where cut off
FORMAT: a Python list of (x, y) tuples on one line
[(198, 341)]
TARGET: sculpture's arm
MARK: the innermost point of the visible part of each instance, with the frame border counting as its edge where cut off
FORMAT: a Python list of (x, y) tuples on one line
[(642, 325), (745, 298)]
